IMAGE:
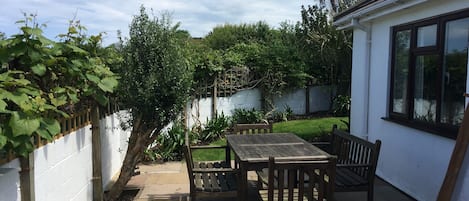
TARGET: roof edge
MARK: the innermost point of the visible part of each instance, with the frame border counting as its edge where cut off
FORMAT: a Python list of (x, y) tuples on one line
[(353, 8)]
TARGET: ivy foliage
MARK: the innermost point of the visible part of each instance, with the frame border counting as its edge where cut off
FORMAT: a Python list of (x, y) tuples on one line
[(41, 79)]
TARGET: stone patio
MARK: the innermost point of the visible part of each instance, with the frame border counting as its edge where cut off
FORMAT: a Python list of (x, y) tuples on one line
[(169, 182)]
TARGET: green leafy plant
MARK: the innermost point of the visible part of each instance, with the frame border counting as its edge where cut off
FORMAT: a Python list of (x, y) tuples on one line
[(214, 128), (341, 105), (169, 145), (285, 115), (244, 116), (41, 79)]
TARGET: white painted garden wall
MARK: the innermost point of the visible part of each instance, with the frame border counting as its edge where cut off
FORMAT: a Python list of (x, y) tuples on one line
[(10, 181), (201, 109), (410, 159), (63, 169)]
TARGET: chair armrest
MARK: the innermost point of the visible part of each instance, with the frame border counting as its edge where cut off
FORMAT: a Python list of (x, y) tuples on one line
[(214, 170), (326, 146), (353, 165), (321, 143), (209, 147)]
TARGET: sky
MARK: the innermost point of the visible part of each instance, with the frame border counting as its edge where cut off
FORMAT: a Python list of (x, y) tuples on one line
[(197, 17)]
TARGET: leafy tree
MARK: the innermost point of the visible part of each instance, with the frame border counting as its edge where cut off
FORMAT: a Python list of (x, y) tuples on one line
[(328, 51), (207, 62), (272, 55), (156, 78), (228, 35)]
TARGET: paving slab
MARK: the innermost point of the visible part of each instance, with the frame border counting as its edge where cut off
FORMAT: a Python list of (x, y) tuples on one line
[(170, 182)]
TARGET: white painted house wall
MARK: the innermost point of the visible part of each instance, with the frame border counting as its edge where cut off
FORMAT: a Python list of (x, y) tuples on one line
[(63, 169), (412, 160)]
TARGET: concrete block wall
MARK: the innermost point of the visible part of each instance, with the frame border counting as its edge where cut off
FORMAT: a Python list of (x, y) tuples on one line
[(63, 168)]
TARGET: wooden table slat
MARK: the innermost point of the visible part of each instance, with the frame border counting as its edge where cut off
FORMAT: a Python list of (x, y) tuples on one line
[(253, 152)]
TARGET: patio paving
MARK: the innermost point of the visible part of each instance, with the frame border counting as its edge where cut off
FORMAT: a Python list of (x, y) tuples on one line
[(169, 182)]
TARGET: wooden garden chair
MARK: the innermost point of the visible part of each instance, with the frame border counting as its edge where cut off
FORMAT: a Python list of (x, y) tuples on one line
[(300, 180), (356, 161), (252, 128), (208, 177), (247, 129)]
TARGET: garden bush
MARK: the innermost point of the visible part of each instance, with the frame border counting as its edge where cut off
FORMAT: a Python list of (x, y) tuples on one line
[(214, 129), (277, 116), (244, 116), (168, 145), (341, 105)]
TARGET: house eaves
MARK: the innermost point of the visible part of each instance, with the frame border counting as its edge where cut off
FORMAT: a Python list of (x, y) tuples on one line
[(371, 11)]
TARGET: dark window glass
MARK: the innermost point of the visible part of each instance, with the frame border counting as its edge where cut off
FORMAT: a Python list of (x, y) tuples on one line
[(426, 36), (454, 71), (424, 88), (429, 73), (401, 71)]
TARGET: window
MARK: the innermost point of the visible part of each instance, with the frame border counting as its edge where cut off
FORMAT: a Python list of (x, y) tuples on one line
[(428, 73)]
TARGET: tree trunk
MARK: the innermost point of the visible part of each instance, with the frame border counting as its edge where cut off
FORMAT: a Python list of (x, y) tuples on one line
[(138, 142)]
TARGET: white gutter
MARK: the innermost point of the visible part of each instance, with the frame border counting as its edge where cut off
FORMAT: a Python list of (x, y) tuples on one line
[(370, 12), (362, 11), (401, 6)]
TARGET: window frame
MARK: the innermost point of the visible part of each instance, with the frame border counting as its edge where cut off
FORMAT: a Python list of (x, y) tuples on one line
[(407, 118)]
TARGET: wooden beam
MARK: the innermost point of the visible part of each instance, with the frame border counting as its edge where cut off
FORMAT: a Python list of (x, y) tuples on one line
[(307, 96), (214, 99), (456, 161), (27, 178), (96, 152)]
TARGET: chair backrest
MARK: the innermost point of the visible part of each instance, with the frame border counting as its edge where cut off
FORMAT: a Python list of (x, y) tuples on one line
[(252, 128), (190, 166), (351, 149), (320, 176)]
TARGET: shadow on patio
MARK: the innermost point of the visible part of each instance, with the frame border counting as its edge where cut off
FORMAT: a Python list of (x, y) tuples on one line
[(169, 182)]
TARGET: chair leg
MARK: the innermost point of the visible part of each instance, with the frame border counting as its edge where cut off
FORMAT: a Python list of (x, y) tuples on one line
[(370, 192), (192, 196), (259, 183)]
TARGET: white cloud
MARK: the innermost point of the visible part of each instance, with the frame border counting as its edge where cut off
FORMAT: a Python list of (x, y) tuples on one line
[(198, 17)]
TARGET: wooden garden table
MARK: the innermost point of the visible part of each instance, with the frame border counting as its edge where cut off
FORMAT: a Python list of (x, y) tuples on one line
[(252, 152)]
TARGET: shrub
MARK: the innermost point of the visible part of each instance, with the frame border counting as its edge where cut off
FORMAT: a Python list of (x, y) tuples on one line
[(285, 115), (168, 145), (244, 116), (214, 128), (341, 105)]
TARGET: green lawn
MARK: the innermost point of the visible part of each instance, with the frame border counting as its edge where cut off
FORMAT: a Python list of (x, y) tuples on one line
[(210, 155), (309, 129)]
